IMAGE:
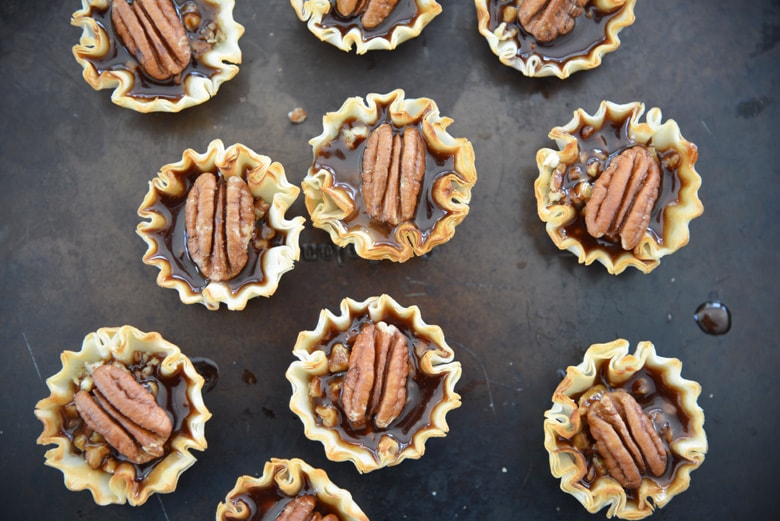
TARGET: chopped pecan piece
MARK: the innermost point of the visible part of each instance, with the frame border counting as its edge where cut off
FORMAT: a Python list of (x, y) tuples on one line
[(623, 197), (625, 438), (350, 8), (125, 414), (375, 386), (220, 220), (547, 20), (153, 33), (376, 12), (393, 170)]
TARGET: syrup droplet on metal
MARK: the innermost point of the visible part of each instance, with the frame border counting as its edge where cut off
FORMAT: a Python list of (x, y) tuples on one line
[(713, 317), (208, 369)]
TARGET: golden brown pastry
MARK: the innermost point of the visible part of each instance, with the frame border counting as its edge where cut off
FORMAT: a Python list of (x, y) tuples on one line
[(124, 413), (618, 190), (553, 37), (388, 178), (158, 55), (366, 25), (373, 383), (625, 430), (235, 243)]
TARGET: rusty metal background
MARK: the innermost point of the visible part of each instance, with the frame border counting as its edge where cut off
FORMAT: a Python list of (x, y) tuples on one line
[(517, 311)]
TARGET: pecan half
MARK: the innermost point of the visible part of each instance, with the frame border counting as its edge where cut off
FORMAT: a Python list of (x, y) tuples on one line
[(220, 220), (301, 508), (547, 20), (375, 386), (153, 33), (625, 438), (623, 197), (125, 414), (393, 170)]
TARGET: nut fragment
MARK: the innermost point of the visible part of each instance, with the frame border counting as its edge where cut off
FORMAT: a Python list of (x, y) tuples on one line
[(153, 33), (547, 20), (220, 220), (623, 197), (375, 385), (350, 8), (625, 438), (125, 414), (376, 12), (393, 170)]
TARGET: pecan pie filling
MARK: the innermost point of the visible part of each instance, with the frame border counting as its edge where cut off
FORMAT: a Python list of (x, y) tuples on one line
[(628, 429), (375, 386), (127, 414), (618, 187), (198, 239), (555, 30), (159, 41)]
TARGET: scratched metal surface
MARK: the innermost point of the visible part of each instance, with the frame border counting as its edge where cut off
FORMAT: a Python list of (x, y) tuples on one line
[(75, 169)]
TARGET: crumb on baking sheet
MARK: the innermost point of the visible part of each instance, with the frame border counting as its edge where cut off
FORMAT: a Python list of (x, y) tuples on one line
[(297, 115)]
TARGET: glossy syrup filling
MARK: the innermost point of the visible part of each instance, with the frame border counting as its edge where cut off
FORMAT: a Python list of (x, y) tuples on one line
[(265, 503), (345, 163), (589, 32), (118, 58), (171, 241), (423, 391), (171, 395), (600, 146), (404, 13), (660, 402)]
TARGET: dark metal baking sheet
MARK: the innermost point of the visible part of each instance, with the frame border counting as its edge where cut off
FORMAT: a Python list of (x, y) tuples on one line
[(517, 311)]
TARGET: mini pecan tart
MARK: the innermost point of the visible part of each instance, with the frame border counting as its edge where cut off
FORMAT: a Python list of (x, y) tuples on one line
[(158, 55), (368, 25), (124, 413), (625, 430), (216, 226), (617, 190), (553, 37), (388, 178), (373, 383), (289, 490)]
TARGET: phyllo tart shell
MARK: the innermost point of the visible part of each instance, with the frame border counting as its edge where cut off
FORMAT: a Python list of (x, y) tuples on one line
[(618, 190), (203, 32), (82, 452), (404, 22), (528, 46), (268, 241), (594, 461), (380, 348), (287, 486), (426, 188)]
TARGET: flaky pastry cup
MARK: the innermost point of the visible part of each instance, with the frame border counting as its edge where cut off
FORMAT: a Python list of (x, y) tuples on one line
[(332, 200), (121, 485), (504, 40), (284, 480), (315, 14), (379, 448), (564, 422), (665, 138), (266, 180), (96, 43)]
